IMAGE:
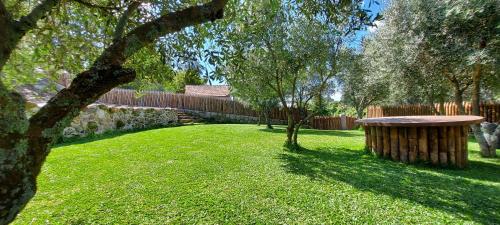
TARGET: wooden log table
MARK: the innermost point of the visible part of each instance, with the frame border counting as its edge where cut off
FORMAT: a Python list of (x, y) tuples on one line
[(440, 140)]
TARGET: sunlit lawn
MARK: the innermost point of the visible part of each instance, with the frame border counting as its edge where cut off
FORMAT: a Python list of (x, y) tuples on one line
[(241, 174)]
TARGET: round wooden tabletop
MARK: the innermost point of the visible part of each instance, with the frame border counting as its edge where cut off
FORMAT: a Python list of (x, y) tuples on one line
[(420, 121)]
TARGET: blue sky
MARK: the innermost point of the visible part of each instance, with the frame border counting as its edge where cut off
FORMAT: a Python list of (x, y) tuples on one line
[(374, 8), (356, 42)]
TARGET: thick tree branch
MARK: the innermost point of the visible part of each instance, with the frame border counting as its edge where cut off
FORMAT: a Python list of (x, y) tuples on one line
[(4, 14), (150, 31), (122, 23), (91, 5), (29, 21), (11, 31), (85, 89)]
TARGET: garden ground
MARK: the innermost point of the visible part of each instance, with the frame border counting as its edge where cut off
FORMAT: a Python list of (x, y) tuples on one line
[(241, 174)]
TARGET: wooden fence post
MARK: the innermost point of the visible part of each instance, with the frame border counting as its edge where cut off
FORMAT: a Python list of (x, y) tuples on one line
[(343, 122)]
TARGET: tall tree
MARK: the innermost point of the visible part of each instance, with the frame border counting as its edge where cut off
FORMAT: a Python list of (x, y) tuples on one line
[(359, 88), (25, 143), (294, 47), (475, 25), (448, 40), (397, 52), (242, 75)]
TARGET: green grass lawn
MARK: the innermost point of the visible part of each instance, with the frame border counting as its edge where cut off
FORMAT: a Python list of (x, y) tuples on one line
[(241, 174)]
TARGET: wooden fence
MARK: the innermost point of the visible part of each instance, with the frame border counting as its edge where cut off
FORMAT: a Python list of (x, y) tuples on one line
[(180, 101), (333, 122), (489, 110), (209, 104)]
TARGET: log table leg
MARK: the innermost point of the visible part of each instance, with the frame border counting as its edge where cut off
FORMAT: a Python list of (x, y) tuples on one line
[(423, 153), (451, 146), (403, 145), (373, 137), (434, 145), (387, 142), (458, 146), (368, 141), (465, 135), (412, 144), (443, 146), (380, 142), (394, 144)]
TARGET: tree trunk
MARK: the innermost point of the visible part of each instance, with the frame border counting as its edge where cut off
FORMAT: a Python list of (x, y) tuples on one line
[(17, 182), (268, 119), (296, 133), (290, 129), (298, 126), (26, 152), (459, 99), (359, 113), (259, 121), (485, 149), (320, 107), (442, 111)]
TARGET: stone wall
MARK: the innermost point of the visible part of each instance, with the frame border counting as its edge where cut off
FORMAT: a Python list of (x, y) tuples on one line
[(96, 119), (226, 118)]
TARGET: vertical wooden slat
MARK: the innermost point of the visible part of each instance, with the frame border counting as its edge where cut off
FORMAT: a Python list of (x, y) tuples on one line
[(368, 140), (465, 150), (443, 146), (373, 134), (380, 142), (458, 146), (451, 146), (403, 144), (423, 153), (412, 144), (434, 145), (394, 143), (387, 142)]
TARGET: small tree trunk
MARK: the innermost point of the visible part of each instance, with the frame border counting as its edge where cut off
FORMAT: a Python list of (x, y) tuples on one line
[(435, 111), (290, 129), (459, 101), (267, 118), (296, 133), (359, 113), (259, 121), (442, 111)]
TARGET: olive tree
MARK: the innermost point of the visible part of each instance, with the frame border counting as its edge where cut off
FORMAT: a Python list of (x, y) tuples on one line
[(474, 24), (26, 142), (292, 48), (425, 43), (397, 52), (360, 89), (246, 84)]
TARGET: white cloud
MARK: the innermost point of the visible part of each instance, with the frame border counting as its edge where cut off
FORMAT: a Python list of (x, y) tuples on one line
[(378, 24), (337, 96)]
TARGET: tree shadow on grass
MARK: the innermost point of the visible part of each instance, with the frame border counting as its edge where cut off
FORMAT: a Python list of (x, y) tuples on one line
[(442, 189), (339, 133)]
